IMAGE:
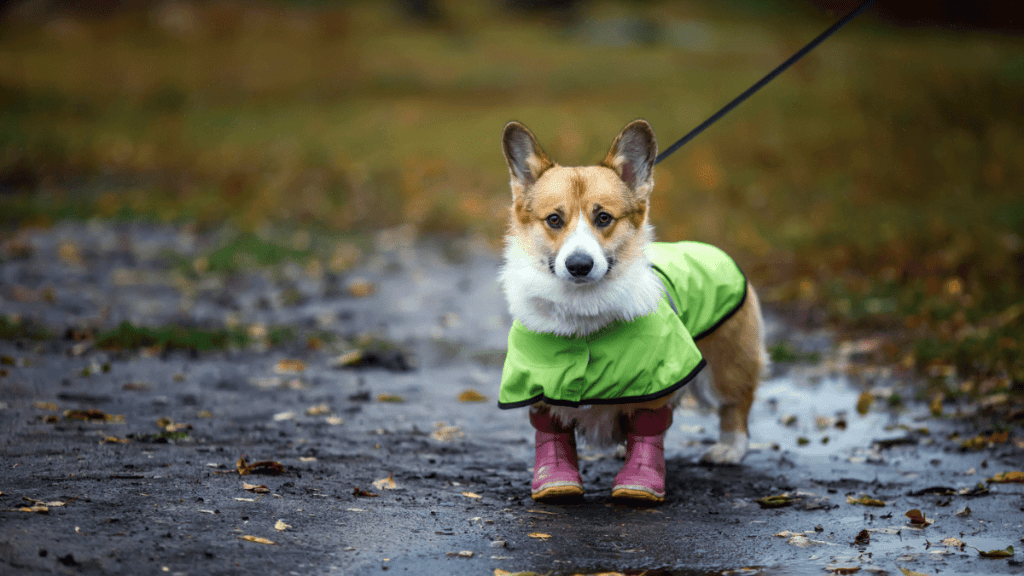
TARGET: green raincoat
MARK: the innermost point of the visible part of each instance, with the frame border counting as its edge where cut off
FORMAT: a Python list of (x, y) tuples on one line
[(625, 362)]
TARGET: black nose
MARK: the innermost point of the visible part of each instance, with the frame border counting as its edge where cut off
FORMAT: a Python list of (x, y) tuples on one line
[(579, 264)]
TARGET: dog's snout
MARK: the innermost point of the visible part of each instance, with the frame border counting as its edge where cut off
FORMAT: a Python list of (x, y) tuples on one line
[(579, 264)]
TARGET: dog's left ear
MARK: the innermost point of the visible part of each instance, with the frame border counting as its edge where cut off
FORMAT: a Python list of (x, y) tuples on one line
[(632, 156)]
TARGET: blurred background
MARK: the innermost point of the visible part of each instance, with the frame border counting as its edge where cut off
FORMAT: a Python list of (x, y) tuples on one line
[(873, 188)]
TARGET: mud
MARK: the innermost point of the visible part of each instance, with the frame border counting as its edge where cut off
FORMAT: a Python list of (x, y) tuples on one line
[(171, 499)]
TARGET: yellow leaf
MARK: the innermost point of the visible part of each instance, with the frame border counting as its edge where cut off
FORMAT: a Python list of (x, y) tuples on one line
[(318, 410), (777, 501), (864, 403), (539, 535), (865, 501), (334, 420), (1008, 477), (390, 398), (472, 396), (471, 495), (386, 483), (1008, 553), (444, 433), (285, 366), (114, 440), (256, 539), (280, 526)]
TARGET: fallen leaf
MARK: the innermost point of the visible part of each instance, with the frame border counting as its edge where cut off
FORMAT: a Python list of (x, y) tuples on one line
[(318, 410), (282, 416), (864, 403), (390, 398), (255, 488), (1007, 477), (51, 504), (472, 396), (92, 415), (863, 538), (979, 489), (445, 433), (965, 512), (114, 440), (204, 414), (285, 366), (307, 458), (386, 483), (539, 535), (247, 499), (463, 554), (262, 467), (37, 508), (360, 287), (907, 572), (777, 501), (359, 492), (953, 542), (843, 569), (918, 519), (334, 420), (256, 539), (865, 501), (45, 406), (981, 441), (280, 526), (471, 495), (1007, 553)]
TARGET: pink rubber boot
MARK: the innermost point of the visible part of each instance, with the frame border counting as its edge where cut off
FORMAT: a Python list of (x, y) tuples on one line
[(642, 478), (556, 470)]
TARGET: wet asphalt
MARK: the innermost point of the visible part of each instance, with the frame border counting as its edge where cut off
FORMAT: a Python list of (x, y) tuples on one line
[(391, 455)]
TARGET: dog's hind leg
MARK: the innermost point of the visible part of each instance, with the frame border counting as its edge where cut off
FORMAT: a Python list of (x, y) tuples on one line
[(736, 355)]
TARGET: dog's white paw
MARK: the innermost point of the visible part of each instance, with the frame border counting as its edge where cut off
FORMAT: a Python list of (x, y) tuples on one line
[(730, 449)]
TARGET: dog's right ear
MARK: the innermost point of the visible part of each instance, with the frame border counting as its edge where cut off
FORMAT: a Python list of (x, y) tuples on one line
[(526, 160)]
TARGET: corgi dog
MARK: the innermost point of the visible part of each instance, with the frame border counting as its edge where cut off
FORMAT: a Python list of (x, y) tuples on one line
[(611, 328)]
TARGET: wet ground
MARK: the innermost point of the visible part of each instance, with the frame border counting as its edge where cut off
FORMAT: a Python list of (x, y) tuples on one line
[(381, 460)]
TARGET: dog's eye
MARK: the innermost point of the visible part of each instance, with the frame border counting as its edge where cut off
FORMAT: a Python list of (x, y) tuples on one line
[(603, 219), (554, 220)]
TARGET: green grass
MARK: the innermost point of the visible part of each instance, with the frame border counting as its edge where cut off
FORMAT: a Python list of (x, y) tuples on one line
[(876, 180)]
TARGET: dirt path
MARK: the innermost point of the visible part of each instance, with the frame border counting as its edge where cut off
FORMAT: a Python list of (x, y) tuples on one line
[(156, 489)]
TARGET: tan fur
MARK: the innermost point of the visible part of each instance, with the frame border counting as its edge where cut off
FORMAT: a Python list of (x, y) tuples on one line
[(580, 190)]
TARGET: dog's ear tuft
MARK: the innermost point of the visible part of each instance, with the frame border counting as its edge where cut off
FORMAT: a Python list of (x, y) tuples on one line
[(526, 160), (632, 156)]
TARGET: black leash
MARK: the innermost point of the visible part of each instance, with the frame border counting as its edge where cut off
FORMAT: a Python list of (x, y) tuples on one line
[(768, 78)]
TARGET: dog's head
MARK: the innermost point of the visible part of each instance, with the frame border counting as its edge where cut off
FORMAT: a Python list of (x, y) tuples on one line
[(581, 222)]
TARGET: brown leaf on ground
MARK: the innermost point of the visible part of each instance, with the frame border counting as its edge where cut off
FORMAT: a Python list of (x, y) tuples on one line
[(864, 403), (390, 398), (777, 501), (1014, 477), (51, 504), (255, 488), (114, 440), (918, 519), (863, 538), (262, 467), (256, 539), (444, 433), (92, 415), (907, 572), (472, 495), (953, 542), (280, 526), (39, 509), (287, 366), (981, 441), (361, 287), (539, 535), (360, 493), (842, 569), (386, 483), (472, 396), (321, 409), (865, 501), (1007, 553)]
